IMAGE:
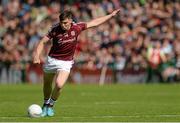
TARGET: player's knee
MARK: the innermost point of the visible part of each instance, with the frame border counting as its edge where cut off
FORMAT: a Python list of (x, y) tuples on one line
[(59, 85)]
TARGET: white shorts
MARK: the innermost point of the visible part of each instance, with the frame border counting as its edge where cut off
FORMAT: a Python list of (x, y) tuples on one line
[(53, 65)]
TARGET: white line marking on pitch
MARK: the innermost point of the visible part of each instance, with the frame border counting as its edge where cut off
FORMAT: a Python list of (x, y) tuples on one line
[(128, 116), (105, 116)]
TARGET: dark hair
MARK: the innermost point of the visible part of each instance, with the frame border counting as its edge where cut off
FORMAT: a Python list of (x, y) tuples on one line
[(65, 14)]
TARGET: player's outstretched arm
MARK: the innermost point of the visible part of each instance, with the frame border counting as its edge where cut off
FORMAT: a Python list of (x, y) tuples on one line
[(39, 49), (100, 20)]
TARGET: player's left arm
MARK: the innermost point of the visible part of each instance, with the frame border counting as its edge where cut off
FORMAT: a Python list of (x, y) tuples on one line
[(101, 20)]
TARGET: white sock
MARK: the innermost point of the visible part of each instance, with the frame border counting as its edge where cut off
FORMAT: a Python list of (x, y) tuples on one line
[(51, 102), (46, 101)]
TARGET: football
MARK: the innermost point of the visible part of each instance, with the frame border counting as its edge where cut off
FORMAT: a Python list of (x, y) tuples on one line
[(34, 110)]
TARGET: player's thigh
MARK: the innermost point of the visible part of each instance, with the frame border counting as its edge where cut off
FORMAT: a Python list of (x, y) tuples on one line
[(61, 78), (48, 77)]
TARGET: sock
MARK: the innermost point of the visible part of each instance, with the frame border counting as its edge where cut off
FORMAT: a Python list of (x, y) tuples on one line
[(46, 102), (51, 102)]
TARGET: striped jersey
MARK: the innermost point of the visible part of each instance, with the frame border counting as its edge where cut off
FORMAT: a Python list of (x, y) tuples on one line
[(64, 42)]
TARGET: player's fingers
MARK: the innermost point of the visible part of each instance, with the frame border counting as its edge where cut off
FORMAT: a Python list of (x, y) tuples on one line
[(115, 12), (36, 61), (118, 10)]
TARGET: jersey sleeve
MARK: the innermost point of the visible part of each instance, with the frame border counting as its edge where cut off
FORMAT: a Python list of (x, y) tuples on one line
[(50, 32), (81, 26)]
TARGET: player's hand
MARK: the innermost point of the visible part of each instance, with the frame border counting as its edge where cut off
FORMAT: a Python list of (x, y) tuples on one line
[(36, 60), (115, 12)]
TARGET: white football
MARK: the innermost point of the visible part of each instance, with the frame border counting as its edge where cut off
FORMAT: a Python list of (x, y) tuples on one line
[(34, 110)]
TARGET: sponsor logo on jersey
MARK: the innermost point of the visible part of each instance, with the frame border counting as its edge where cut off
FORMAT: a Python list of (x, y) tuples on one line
[(67, 40)]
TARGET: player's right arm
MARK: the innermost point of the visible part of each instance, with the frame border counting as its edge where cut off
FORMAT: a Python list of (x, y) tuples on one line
[(39, 49), (101, 20)]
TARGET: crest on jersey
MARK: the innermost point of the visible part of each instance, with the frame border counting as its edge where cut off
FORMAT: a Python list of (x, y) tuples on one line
[(73, 33)]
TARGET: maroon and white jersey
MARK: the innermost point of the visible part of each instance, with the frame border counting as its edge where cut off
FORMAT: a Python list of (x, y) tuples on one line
[(64, 42)]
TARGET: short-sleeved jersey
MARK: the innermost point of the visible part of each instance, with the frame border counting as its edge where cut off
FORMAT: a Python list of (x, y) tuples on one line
[(64, 42)]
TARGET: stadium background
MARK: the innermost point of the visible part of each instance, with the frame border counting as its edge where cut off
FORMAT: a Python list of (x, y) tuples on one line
[(141, 44)]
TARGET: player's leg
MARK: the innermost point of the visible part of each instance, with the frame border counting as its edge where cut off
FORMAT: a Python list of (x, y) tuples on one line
[(47, 90), (60, 80), (47, 86)]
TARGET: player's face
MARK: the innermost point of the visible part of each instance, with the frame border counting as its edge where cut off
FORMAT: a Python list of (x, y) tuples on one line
[(66, 24)]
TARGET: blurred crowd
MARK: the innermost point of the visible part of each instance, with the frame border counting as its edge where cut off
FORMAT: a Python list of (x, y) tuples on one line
[(145, 35)]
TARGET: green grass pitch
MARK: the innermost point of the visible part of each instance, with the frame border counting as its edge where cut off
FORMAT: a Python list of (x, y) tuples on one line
[(81, 103)]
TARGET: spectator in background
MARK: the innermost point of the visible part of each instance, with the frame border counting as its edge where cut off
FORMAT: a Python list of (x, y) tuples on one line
[(169, 70), (155, 57), (28, 20)]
